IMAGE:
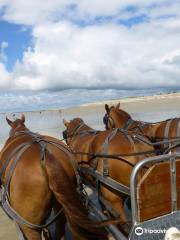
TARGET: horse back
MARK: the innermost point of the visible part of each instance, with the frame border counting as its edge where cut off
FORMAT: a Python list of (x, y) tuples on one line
[(168, 129), (120, 145)]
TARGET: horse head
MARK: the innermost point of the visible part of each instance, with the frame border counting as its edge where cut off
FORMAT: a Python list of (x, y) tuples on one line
[(72, 128), (17, 125), (115, 117)]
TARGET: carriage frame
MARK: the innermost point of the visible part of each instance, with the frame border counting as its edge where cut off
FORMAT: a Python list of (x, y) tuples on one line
[(164, 221)]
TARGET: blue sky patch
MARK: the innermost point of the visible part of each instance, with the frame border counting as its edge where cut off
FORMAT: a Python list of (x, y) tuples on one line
[(88, 21), (18, 38), (131, 8), (134, 20)]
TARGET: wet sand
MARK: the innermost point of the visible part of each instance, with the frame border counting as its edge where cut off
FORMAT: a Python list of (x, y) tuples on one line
[(153, 108), (7, 228)]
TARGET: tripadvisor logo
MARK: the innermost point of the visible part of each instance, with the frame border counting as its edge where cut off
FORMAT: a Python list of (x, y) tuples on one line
[(138, 231)]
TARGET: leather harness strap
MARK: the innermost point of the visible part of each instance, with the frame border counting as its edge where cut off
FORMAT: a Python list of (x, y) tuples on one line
[(105, 151), (76, 130), (106, 144), (176, 145), (130, 139), (20, 220), (178, 133), (18, 151), (167, 127), (128, 123), (7, 160), (166, 131), (13, 165), (89, 132), (178, 128)]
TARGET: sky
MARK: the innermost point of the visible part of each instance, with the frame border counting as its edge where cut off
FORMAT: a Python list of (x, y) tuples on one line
[(94, 44)]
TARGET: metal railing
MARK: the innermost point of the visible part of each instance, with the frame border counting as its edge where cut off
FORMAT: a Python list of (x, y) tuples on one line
[(133, 181)]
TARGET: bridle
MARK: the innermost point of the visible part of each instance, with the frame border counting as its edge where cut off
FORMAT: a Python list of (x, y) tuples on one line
[(66, 135), (14, 131), (108, 119)]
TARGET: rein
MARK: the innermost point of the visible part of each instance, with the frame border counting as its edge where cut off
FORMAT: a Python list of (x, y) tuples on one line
[(116, 156), (161, 141), (113, 156), (75, 133)]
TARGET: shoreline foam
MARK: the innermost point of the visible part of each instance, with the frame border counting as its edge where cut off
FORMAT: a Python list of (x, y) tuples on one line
[(135, 99)]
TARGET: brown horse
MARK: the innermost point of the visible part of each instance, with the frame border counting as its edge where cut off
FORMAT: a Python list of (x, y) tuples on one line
[(116, 117), (42, 178), (82, 138)]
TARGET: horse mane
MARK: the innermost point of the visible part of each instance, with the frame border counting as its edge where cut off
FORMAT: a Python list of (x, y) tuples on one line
[(123, 113)]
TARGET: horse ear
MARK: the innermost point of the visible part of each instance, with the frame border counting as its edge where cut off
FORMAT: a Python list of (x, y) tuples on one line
[(118, 106), (9, 121), (107, 108), (66, 123), (23, 118)]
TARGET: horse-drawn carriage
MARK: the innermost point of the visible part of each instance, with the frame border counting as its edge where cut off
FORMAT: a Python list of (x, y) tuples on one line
[(134, 182), (155, 198)]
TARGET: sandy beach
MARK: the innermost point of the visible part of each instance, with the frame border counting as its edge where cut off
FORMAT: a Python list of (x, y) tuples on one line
[(152, 108)]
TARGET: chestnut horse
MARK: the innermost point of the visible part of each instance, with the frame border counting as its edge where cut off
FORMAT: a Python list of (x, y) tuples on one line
[(116, 117), (38, 175), (83, 139)]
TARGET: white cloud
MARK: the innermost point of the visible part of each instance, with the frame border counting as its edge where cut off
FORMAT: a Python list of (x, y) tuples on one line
[(99, 55), (32, 12), (5, 82), (65, 55), (36, 12), (5, 78)]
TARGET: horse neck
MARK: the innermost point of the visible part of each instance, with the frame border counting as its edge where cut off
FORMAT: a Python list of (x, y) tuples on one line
[(134, 124), (120, 118), (85, 128), (151, 130), (83, 136), (20, 130), (16, 133)]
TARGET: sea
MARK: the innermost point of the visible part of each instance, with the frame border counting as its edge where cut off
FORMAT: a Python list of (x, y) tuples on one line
[(18, 101), (44, 109)]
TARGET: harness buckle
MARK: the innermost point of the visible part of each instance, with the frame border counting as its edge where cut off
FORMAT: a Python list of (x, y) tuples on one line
[(36, 139)]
